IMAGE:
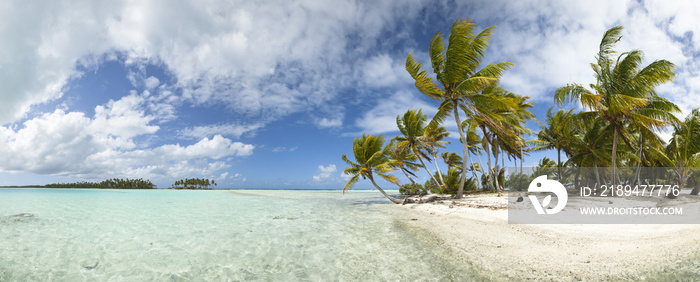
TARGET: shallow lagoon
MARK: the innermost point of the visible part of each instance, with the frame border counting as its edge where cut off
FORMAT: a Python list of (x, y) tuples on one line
[(279, 235)]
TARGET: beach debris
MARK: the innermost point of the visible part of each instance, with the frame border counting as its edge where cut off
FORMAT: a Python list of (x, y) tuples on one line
[(90, 267), (285, 217), (24, 214), (610, 202), (414, 219), (520, 199)]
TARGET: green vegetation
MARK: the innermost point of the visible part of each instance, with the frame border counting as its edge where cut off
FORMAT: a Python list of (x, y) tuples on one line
[(464, 90), (619, 126), (114, 183), (371, 157), (193, 183), (624, 97)]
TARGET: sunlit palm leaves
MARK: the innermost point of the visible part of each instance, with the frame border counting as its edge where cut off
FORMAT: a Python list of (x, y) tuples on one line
[(456, 68), (624, 93), (371, 157)]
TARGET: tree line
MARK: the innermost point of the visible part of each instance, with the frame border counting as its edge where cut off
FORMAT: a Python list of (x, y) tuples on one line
[(618, 127), (193, 183), (114, 183)]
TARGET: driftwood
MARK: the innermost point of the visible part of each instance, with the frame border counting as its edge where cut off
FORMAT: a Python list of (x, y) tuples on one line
[(421, 200)]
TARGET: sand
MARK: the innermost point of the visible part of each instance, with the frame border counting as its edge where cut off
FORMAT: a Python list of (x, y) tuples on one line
[(477, 229)]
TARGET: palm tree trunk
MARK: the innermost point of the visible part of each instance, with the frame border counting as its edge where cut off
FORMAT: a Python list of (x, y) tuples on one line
[(481, 166), (392, 199), (639, 165), (442, 180), (426, 168), (614, 155), (578, 177), (597, 174), (488, 160), (465, 146), (521, 159), (559, 163), (488, 163), (476, 177), (407, 176)]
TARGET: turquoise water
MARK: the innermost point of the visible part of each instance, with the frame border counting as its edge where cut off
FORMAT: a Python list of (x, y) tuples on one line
[(136, 235)]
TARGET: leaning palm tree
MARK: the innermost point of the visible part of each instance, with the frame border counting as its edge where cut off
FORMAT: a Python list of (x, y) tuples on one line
[(622, 92), (403, 159), (457, 71), (412, 128), (370, 159)]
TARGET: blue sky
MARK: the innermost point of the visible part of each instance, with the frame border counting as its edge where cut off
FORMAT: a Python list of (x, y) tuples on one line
[(270, 94)]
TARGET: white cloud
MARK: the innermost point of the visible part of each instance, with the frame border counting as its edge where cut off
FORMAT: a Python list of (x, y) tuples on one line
[(234, 130), (71, 144), (382, 118), (325, 173), (284, 149), (151, 82), (266, 59), (328, 123), (123, 118), (383, 71)]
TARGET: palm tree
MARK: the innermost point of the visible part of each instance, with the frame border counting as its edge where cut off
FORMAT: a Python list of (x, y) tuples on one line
[(589, 146), (402, 159), (452, 160), (370, 158), (412, 127), (651, 145), (473, 146), (556, 134), (456, 69), (622, 92), (684, 148), (433, 139), (544, 167)]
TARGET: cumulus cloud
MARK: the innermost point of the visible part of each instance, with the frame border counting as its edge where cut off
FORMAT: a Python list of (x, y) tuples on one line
[(265, 59), (383, 71), (72, 144), (151, 82), (382, 117), (268, 60), (324, 173)]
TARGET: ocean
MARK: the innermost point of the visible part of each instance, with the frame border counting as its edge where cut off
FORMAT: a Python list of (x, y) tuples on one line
[(215, 235)]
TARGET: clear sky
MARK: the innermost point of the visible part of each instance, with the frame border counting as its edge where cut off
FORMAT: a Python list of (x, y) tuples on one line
[(269, 94)]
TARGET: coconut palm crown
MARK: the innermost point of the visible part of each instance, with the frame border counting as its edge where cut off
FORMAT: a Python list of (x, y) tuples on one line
[(624, 94), (371, 157), (456, 68)]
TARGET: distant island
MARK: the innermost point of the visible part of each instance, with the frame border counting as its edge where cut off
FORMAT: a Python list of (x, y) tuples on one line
[(116, 183), (193, 184)]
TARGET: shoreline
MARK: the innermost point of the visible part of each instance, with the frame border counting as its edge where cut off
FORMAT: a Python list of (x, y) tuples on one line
[(482, 237)]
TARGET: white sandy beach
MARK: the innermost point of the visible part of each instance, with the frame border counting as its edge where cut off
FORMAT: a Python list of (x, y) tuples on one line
[(477, 229)]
